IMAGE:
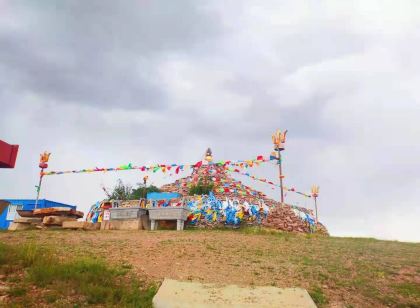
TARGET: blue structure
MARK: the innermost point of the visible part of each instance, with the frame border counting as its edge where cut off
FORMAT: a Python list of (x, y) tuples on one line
[(162, 195), (9, 212)]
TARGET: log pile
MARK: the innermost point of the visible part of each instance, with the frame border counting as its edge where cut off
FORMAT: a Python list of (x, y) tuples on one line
[(45, 218)]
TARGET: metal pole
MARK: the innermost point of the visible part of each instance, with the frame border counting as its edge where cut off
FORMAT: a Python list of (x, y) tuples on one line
[(281, 179), (39, 187), (316, 212)]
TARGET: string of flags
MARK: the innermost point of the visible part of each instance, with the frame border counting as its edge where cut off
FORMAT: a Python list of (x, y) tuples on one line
[(167, 167), (267, 182)]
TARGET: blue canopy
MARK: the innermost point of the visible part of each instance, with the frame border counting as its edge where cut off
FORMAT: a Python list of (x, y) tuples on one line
[(162, 195)]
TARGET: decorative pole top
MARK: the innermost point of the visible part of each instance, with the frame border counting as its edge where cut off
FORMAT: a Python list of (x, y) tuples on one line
[(315, 191), (43, 160), (208, 156), (279, 139)]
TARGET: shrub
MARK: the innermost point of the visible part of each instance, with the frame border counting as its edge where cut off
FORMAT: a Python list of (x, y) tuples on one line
[(201, 189)]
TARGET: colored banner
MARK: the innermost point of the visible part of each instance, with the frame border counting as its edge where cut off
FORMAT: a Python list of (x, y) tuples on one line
[(267, 182), (168, 167)]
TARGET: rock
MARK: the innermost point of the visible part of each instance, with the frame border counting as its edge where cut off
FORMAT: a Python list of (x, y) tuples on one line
[(174, 293)]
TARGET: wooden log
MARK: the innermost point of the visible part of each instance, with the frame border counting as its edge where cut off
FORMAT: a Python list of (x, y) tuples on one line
[(57, 211), (56, 220)]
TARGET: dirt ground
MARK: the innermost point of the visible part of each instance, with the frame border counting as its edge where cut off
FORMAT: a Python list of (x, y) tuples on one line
[(337, 272)]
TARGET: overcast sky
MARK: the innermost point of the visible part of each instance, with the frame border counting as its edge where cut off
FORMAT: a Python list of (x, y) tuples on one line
[(105, 83)]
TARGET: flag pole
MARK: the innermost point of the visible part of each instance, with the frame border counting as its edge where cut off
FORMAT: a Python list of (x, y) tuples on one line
[(38, 188), (281, 180), (43, 164), (279, 139), (315, 193)]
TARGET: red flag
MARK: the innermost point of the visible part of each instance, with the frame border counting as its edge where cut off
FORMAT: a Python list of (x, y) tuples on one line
[(260, 157), (198, 165), (177, 170)]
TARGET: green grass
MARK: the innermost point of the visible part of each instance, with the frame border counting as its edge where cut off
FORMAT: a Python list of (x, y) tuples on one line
[(84, 280), (408, 289), (318, 296)]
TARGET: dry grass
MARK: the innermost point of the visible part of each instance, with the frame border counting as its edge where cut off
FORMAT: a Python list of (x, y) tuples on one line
[(348, 272)]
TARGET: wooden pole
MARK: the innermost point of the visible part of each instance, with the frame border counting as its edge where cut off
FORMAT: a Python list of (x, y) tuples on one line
[(316, 212), (145, 190), (38, 188), (281, 179)]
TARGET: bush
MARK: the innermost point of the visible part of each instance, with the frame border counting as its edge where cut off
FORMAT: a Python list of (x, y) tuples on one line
[(201, 189), (140, 192), (123, 191)]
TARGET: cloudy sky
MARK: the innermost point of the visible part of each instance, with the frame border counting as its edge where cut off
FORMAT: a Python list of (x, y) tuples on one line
[(104, 83)]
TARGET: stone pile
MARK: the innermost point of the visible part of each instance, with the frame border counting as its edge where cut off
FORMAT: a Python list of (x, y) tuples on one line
[(281, 216)]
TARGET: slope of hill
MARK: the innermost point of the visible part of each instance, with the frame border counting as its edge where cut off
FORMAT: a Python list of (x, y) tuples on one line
[(337, 272)]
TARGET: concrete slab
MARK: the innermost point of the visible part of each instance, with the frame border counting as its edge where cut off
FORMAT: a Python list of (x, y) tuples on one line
[(173, 293)]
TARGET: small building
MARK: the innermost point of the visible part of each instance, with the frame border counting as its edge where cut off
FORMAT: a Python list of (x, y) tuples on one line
[(9, 207)]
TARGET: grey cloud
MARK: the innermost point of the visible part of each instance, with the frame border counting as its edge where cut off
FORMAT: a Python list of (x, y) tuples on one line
[(99, 53)]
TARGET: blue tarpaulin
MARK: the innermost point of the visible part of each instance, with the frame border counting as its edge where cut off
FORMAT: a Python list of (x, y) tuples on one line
[(162, 196)]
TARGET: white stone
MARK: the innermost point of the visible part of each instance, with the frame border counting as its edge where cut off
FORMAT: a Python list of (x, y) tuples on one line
[(174, 294)]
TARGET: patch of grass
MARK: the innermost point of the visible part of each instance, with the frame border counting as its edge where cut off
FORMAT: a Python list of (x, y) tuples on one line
[(308, 261), (408, 289), (51, 297), (17, 291), (90, 279), (318, 296), (210, 247)]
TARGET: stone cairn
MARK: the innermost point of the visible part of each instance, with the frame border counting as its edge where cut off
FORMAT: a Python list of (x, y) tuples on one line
[(281, 216)]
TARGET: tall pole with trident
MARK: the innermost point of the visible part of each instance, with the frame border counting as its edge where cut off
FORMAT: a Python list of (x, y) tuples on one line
[(43, 164), (315, 192), (279, 139)]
